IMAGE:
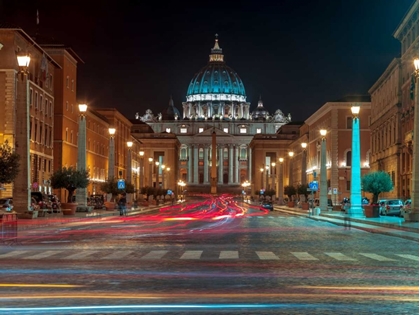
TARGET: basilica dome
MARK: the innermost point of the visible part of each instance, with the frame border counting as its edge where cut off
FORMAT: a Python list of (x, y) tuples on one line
[(216, 81)]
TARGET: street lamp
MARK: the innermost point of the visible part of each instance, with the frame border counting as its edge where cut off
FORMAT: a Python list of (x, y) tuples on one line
[(21, 184), (356, 209), (414, 215), (281, 189), (81, 193), (323, 195), (150, 171), (262, 178), (181, 184), (304, 145), (157, 174), (291, 154), (163, 175), (141, 153), (129, 167), (111, 162), (245, 185)]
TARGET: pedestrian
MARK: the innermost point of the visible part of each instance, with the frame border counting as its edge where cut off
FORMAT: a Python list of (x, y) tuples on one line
[(122, 205), (347, 222)]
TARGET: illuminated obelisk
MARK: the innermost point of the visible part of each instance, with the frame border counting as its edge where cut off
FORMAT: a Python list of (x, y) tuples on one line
[(213, 164)]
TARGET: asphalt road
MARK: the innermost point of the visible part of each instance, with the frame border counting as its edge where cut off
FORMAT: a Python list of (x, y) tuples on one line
[(208, 257)]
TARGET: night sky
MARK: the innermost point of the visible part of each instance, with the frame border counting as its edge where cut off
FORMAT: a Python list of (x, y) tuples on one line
[(297, 55)]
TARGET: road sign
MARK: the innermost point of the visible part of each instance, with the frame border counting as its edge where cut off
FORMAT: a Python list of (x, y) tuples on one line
[(313, 185), (121, 184)]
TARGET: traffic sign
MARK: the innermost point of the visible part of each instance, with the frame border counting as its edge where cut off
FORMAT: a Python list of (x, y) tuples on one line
[(121, 184), (313, 185)]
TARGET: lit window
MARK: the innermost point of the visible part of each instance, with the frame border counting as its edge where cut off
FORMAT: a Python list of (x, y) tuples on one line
[(242, 130), (200, 130), (258, 130), (226, 130), (183, 130), (168, 130)]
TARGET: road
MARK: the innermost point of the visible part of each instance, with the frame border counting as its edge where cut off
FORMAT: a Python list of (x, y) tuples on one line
[(208, 256)]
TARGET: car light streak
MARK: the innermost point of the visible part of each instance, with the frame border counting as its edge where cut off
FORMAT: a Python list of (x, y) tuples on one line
[(27, 285)]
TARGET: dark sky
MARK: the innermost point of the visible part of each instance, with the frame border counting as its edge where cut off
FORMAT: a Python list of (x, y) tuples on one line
[(296, 54)]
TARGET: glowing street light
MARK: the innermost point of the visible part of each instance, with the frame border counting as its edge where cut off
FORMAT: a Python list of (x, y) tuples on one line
[(111, 160), (323, 194), (81, 193), (281, 189)]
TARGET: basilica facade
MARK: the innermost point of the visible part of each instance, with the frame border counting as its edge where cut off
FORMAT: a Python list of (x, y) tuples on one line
[(215, 102)]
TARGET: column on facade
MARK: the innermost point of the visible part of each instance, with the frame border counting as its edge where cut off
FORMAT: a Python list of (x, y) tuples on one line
[(249, 164), (237, 164), (230, 164), (190, 160), (206, 164), (195, 164), (220, 177)]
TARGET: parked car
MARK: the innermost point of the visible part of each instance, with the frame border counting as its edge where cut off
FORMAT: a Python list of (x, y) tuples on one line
[(55, 203), (407, 205), (267, 205), (34, 204), (6, 204), (390, 207)]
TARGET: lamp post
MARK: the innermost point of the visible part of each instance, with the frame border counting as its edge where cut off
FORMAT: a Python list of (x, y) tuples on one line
[(111, 162), (266, 176), (304, 145), (150, 171), (356, 209), (291, 154), (262, 178), (21, 184), (129, 167), (141, 153), (281, 189), (414, 215), (168, 182), (81, 193), (181, 184), (157, 174), (323, 195), (273, 167), (163, 166)]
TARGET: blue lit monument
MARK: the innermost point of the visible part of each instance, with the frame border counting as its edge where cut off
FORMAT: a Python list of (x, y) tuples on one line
[(356, 209)]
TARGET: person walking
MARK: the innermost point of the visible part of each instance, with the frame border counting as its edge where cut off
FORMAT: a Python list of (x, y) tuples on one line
[(122, 205)]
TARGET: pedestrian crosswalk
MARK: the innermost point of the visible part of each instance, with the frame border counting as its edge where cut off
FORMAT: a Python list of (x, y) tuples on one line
[(227, 255)]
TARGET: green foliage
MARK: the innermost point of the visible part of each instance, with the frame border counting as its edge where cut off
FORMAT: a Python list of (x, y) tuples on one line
[(290, 191), (70, 179), (270, 192), (9, 164), (111, 187), (376, 183), (303, 190)]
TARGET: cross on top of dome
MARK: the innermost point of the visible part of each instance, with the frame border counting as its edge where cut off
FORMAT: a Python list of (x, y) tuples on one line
[(216, 52)]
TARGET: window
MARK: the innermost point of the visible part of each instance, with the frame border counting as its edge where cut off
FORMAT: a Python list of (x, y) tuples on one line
[(349, 122), (31, 96), (36, 100), (243, 153), (71, 136), (183, 130), (258, 130), (348, 185), (168, 130), (67, 106), (72, 85), (46, 107), (242, 130), (183, 153), (348, 158), (51, 109), (41, 104), (200, 130), (67, 82), (226, 130), (51, 81), (66, 135)]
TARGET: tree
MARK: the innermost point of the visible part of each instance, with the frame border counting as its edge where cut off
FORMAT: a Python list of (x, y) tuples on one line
[(9, 164), (111, 187), (70, 179), (303, 190), (290, 191), (376, 183)]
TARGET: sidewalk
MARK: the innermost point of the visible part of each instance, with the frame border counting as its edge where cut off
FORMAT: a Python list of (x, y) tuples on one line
[(388, 225)]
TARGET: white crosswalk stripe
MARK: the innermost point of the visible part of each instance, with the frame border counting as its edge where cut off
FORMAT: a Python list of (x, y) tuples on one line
[(267, 256), (412, 257), (304, 256), (229, 254), (45, 254), (155, 254), (80, 255), (192, 254), (118, 254), (377, 257), (14, 253), (339, 256)]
